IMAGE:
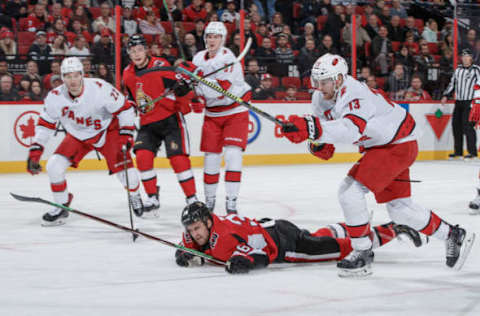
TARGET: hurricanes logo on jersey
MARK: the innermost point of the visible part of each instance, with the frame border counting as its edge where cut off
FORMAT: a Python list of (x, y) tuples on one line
[(144, 101)]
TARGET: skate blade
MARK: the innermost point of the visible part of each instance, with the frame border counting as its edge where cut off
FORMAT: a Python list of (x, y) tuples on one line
[(155, 213), (358, 273), (473, 211), (58, 222), (464, 251)]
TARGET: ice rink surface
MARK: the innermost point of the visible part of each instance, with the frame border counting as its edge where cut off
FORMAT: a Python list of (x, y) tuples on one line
[(87, 268)]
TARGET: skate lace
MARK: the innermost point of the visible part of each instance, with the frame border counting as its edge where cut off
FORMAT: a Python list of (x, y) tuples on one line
[(152, 200), (136, 201), (452, 248), (231, 204), (55, 211)]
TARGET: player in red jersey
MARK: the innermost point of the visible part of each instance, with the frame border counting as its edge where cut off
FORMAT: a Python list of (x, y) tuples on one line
[(247, 244), (160, 121)]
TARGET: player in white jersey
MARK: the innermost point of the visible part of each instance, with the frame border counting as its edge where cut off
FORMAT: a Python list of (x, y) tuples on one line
[(350, 112), (474, 116), (96, 116), (225, 126)]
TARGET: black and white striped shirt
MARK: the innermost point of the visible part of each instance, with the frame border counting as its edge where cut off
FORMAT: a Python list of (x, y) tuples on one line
[(463, 79)]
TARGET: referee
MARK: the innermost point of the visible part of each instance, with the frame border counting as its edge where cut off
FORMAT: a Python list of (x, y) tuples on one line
[(463, 80)]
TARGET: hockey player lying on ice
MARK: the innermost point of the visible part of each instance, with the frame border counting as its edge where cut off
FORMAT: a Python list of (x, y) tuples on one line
[(247, 244)]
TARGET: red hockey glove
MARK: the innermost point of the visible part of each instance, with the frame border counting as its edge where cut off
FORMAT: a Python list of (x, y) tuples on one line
[(239, 264), (188, 65), (198, 104), (126, 137), (322, 151), (33, 161), (299, 129), (475, 111)]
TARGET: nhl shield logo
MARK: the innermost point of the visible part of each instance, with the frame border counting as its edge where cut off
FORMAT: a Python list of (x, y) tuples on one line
[(24, 127), (254, 126)]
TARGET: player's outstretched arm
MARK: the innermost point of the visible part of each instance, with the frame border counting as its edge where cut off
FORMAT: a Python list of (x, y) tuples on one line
[(246, 258)]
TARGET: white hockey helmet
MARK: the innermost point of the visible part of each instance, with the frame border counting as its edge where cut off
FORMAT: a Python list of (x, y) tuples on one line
[(328, 66), (215, 27), (71, 64)]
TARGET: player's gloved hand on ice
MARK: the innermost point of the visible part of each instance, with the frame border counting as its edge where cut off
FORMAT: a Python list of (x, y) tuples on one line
[(33, 161), (299, 129), (198, 104), (239, 264), (186, 259), (126, 137), (322, 151)]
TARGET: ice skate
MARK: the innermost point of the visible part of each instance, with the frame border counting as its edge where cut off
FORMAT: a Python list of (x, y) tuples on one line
[(231, 205), (455, 157), (470, 157), (458, 244), (474, 205), (210, 202), (58, 216), (138, 206), (356, 265), (415, 237), (152, 203), (191, 199)]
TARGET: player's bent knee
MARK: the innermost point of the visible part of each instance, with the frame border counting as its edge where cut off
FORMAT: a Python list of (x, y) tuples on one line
[(233, 156), (56, 166), (396, 209)]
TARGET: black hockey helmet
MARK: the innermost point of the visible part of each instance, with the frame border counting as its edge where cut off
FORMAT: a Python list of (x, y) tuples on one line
[(466, 52), (136, 39), (195, 212)]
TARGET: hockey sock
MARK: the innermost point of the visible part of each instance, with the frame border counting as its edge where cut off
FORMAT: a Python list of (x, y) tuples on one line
[(181, 167), (382, 234), (211, 173), (345, 247), (233, 170), (337, 230), (56, 167), (147, 174), (133, 182), (60, 193)]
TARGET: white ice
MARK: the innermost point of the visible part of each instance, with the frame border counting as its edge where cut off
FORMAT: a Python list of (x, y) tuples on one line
[(87, 268)]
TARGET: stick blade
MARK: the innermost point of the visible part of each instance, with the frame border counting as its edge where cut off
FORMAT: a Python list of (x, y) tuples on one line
[(25, 198)]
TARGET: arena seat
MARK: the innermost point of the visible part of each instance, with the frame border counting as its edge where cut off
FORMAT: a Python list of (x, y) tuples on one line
[(380, 82), (321, 20), (396, 46), (275, 82), (303, 95), (167, 27), (95, 11), (433, 48), (279, 95), (307, 83), (287, 81), (188, 26)]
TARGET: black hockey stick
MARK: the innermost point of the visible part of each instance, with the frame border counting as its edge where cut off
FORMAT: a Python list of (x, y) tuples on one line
[(125, 167), (118, 226), (231, 96)]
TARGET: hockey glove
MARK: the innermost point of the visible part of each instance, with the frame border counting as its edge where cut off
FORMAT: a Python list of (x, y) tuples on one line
[(33, 161), (239, 264), (198, 104), (126, 136), (322, 151), (299, 129), (188, 65), (186, 259)]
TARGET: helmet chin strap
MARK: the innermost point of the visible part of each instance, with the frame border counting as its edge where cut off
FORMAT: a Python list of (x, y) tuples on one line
[(335, 88)]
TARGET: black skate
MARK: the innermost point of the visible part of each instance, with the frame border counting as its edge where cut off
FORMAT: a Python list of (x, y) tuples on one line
[(210, 203), (57, 216), (415, 237), (357, 264), (458, 244), (152, 204), (137, 204), (191, 199), (474, 205), (231, 206)]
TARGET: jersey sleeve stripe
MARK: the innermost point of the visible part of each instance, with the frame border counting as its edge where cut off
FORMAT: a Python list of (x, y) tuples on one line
[(358, 121), (44, 123)]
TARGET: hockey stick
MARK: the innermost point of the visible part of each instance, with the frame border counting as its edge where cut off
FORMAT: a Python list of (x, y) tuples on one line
[(170, 90), (231, 96), (125, 167), (121, 227)]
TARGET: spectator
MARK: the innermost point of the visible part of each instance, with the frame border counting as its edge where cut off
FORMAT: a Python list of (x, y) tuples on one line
[(36, 91), (155, 50), (32, 71), (308, 34), (103, 72), (411, 44), (67, 11), (194, 11), (398, 9), (265, 53), (208, 5), (476, 53), (81, 15), (361, 36), (253, 77), (16, 9), (411, 27), (167, 54), (290, 39), (198, 34), (334, 25), (382, 50), (37, 19), (23, 87), (56, 13), (41, 52), (76, 28), (80, 48), (291, 93), (129, 24), (404, 57), (212, 17), (430, 31), (396, 33), (447, 43), (7, 92), (55, 70), (151, 25), (378, 7), (469, 42), (60, 29), (105, 17), (55, 81), (384, 16), (260, 33), (306, 58), (190, 46), (423, 63), (174, 11), (59, 46), (276, 27), (234, 45), (324, 8), (446, 68), (365, 72), (8, 45), (327, 46), (230, 15), (283, 55), (265, 91), (415, 91), (4, 68), (397, 83), (148, 6), (87, 67), (372, 26), (372, 82), (248, 32), (102, 51)]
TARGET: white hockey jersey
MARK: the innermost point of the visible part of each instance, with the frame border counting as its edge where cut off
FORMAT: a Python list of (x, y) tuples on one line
[(362, 116), (230, 79), (85, 117)]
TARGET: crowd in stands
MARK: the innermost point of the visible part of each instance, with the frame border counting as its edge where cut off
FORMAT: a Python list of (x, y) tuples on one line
[(410, 58)]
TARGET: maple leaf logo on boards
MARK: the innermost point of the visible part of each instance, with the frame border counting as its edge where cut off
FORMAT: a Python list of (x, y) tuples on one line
[(24, 127)]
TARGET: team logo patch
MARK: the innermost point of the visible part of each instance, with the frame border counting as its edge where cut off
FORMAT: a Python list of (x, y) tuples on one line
[(254, 127), (144, 101), (213, 240), (24, 127)]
